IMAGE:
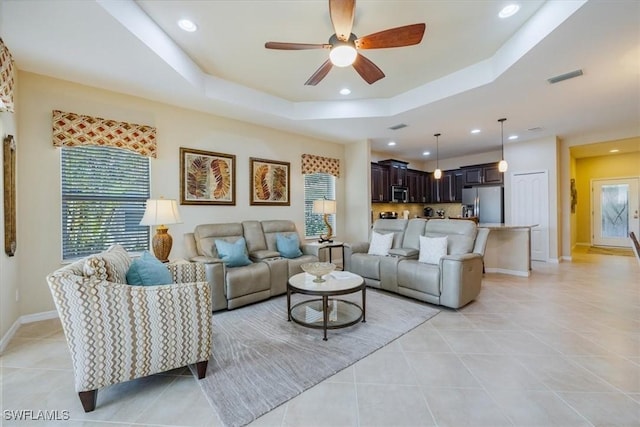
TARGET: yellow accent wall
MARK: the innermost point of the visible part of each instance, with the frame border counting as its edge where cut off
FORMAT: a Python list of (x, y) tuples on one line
[(613, 166)]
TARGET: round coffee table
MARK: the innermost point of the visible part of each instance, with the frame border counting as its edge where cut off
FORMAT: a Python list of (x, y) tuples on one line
[(326, 312)]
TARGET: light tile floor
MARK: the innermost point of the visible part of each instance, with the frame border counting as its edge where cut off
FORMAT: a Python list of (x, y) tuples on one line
[(561, 348)]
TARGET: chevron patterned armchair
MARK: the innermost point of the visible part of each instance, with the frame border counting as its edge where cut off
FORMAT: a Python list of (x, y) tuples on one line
[(117, 332)]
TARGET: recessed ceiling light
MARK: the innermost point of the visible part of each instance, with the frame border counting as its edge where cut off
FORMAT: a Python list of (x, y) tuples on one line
[(345, 91), (509, 10), (391, 143), (475, 131), (615, 150), (513, 137), (426, 153), (187, 25)]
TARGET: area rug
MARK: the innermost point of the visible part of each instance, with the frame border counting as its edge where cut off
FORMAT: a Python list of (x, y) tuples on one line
[(610, 251), (260, 360)]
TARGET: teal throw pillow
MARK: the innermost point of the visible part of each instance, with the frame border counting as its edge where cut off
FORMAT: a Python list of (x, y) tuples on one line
[(288, 245), (148, 271), (233, 254)]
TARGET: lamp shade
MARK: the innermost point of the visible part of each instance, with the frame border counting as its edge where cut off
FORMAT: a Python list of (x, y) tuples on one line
[(161, 212), (324, 206)]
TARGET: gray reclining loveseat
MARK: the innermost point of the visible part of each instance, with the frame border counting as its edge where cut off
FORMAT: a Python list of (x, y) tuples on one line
[(453, 281), (264, 277)]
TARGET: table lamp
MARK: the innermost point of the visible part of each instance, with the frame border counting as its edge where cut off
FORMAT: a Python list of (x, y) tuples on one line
[(325, 207), (161, 212)]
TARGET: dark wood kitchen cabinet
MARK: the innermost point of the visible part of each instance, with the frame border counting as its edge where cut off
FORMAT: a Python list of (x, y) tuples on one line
[(447, 189), (380, 188), (417, 183), (397, 171), (482, 174)]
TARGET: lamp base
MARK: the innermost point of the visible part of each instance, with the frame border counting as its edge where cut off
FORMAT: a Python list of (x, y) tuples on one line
[(161, 243), (325, 239)]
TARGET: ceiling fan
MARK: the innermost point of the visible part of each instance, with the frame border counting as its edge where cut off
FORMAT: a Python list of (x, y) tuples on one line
[(344, 45)]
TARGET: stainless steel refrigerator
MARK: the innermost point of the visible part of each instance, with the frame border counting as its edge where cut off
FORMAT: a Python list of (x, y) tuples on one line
[(485, 202)]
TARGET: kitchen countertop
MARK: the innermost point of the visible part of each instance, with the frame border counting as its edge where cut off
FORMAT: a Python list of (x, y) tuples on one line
[(498, 226)]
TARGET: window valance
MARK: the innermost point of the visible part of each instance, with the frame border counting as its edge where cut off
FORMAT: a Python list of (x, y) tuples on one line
[(6, 79), (71, 129), (319, 164)]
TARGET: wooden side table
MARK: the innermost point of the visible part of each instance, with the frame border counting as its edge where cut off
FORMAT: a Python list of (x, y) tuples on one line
[(329, 246)]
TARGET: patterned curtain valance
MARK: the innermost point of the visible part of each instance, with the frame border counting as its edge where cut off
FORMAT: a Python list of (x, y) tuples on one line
[(319, 164), (6, 79), (71, 130)]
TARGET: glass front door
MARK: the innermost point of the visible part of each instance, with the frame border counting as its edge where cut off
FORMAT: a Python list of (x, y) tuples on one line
[(615, 212)]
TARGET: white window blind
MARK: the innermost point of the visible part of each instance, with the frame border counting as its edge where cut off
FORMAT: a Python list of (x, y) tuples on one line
[(317, 186), (104, 191)]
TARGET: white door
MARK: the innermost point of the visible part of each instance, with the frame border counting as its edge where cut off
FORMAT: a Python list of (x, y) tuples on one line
[(615, 211), (530, 206)]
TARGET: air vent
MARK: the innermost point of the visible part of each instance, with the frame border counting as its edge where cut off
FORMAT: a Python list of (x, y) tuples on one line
[(398, 126), (535, 129), (565, 76)]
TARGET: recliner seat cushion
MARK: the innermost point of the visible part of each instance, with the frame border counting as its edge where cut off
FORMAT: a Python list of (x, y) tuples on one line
[(419, 276), (246, 280), (366, 265)]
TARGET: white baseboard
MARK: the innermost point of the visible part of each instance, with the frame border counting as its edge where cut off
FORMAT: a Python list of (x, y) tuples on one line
[(567, 258), (23, 320), (553, 260), (510, 272)]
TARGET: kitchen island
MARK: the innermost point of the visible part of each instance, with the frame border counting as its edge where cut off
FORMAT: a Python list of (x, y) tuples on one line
[(508, 249)]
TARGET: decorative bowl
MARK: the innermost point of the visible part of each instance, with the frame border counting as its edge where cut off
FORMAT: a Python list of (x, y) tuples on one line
[(318, 269)]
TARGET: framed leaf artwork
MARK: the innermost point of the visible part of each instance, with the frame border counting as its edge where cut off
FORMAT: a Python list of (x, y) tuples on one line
[(269, 182), (207, 178)]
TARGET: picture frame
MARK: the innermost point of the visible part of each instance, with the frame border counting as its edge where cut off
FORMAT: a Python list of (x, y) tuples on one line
[(269, 182), (574, 196), (9, 176), (207, 177)]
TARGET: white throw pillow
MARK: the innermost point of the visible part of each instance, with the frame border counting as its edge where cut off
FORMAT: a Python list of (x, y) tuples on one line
[(432, 249), (380, 244)]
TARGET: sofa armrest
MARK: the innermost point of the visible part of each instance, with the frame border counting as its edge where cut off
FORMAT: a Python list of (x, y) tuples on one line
[(206, 259), (353, 248), (187, 272), (263, 254), (408, 253), (110, 325), (310, 249), (460, 279)]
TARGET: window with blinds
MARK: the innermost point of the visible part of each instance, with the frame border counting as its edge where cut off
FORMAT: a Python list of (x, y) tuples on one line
[(104, 191), (317, 186)]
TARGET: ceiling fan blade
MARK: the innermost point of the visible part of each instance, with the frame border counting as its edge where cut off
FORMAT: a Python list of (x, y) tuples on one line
[(342, 12), (320, 73), (295, 46), (367, 69), (393, 37)]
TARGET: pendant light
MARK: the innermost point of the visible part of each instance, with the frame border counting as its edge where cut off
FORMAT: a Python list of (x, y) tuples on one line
[(437, 174), (502, 166)]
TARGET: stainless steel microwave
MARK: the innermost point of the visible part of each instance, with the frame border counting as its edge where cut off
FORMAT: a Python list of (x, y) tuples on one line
[(399, 194)]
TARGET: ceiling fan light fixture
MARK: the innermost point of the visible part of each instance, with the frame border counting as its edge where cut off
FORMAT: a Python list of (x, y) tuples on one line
[(343, 55)]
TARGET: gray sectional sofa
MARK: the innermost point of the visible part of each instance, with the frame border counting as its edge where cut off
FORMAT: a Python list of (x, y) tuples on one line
[(453, 282), (264, 277)]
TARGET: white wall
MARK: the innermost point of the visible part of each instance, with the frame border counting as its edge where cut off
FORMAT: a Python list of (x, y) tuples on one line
[(39, 229), (458, 162), (540, 154), (9, 308), (358, 188)]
